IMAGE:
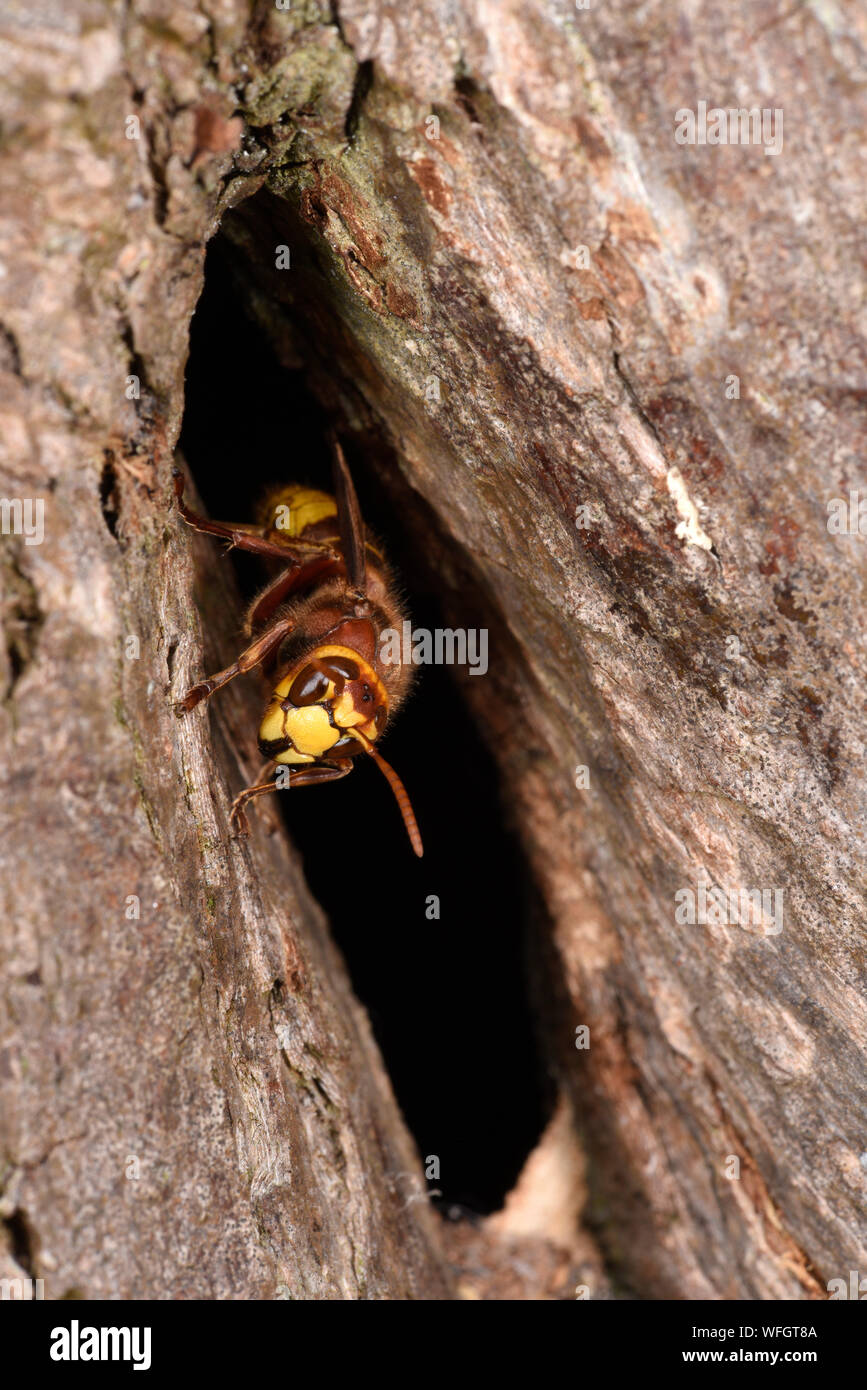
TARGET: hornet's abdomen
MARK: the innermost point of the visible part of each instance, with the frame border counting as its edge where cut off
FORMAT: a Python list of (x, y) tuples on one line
[(295, 512)]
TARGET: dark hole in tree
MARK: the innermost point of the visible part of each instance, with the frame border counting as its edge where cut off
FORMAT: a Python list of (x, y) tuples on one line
[(20, 1241), (448, 998)]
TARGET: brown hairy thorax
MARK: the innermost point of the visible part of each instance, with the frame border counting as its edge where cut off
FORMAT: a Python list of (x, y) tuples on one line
[(316, 614)]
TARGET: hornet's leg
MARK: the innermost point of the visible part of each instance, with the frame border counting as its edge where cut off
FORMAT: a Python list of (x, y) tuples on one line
[(239, 534), (322, 564), (307, 776), (261, 648), (270, 818)]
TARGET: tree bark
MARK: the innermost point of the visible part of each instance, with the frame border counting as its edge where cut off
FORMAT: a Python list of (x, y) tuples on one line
[(613, 383)]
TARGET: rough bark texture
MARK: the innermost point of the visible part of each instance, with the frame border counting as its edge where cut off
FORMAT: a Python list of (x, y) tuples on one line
[(438, 295)]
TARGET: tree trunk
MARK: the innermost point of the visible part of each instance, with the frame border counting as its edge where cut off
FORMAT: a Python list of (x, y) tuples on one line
[(613, 383)]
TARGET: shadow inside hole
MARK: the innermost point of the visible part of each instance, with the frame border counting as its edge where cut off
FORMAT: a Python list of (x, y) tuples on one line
[(447, 994)]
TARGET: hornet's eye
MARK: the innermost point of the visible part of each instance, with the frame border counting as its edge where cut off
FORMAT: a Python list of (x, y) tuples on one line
[(309, 687), (340, 669)]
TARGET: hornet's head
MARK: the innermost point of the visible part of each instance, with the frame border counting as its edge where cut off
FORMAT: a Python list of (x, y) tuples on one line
[(330, 704)]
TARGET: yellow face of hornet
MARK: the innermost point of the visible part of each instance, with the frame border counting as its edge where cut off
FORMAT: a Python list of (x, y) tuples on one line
[(330, 705)]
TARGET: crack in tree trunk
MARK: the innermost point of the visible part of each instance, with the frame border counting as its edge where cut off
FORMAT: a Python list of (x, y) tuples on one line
[(627, 458)]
